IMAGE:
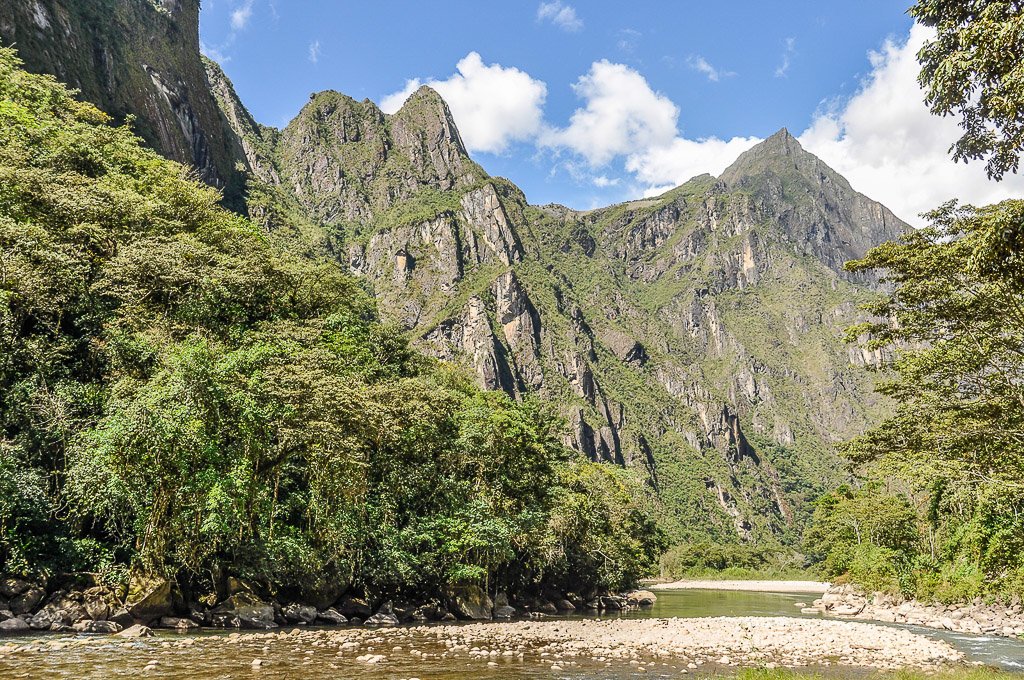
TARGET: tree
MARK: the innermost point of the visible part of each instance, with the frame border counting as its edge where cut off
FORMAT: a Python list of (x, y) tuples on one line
[(975, 68)]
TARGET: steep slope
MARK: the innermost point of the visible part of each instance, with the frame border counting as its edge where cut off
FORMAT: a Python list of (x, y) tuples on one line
[(138, 58), (695, 336)]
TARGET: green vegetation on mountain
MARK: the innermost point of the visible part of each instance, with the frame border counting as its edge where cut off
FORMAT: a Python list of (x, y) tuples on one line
[(938, 513), (181, 396), (947, 522)]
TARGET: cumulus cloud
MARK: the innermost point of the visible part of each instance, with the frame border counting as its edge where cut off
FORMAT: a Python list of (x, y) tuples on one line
[(561, 15), (621, 114), (787, 57), (493, 105), (660, 168), (884, 140), (241, 15), (314, 51), (699, 63)]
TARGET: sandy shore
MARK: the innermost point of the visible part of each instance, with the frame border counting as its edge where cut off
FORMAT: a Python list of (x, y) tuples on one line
[(675, 645), (754, 586)]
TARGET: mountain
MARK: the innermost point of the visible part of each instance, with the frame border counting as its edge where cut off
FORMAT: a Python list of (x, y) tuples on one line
[(695, 336), (138, 58)]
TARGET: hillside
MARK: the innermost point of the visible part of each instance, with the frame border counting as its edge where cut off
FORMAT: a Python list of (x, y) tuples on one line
[(694, 336)]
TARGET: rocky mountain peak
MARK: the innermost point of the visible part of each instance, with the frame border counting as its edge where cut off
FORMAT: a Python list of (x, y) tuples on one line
[(811, 204)]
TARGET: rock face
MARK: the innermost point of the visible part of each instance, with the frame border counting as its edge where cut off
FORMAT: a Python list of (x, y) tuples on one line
[(149, 598), (695, 336), (138, 57)]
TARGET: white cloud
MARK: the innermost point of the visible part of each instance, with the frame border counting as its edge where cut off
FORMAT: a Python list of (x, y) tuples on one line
[(884, 140), (603, 181), (622, 114), (314, 51), (493, 105), (699, 63), (561, 15), (662, 167), (240, 17), (787, 57)]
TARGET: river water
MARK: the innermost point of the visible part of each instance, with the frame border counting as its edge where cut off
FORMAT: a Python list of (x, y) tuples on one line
[(175, 657)]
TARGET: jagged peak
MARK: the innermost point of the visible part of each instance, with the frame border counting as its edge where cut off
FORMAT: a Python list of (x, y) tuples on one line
[(426, 110)]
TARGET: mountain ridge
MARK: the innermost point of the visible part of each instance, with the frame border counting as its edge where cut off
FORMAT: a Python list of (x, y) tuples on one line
[(693, 337)]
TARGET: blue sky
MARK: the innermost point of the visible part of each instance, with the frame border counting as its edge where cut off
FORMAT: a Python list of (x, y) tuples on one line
[(589, 103)]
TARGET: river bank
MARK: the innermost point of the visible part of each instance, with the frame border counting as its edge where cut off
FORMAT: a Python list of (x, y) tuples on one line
[(976, 618), (761, 586), (677, 646)]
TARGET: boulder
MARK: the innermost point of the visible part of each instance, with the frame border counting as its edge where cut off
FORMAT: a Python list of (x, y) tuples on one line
[(136, 631), (470, 602), (42, 620), (382, 619), (100, 627), (354, 606), (642, 598), (148, 598), (179, 624), (504, 612), (501, 600), (99, 602), (299, 613), (65, 608), (331, 616), (6, 614), (122, 617), (28, 600), (14, 625), (545, 607), (58, 627), (564, 606), (612, 603), (249, 610), (11, 586)]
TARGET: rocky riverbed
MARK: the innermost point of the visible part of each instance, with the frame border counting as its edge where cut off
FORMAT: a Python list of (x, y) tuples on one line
[(677, 645), (977, 617)]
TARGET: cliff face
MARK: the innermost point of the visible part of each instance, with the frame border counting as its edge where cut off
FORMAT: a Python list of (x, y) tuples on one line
[(694, 336), (133, 57)]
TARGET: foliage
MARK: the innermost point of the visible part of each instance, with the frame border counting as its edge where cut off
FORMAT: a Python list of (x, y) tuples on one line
[(954, 325), (180, 395), (974, 68), (707, 559)]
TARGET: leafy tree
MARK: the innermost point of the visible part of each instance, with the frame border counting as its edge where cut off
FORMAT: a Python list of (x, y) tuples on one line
[(181, 396), (974, 68)]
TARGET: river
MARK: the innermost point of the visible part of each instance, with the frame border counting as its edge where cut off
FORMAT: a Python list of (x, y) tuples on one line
[(418, 654)]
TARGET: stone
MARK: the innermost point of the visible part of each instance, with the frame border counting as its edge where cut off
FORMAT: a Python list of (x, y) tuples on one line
[(179, 624), (27, 600), (148, 598), (331, 616), (11, 587), (354, 606), (250, 611), (100, 627), (470, 602), (504, 612), (299, 613), (42, 620), (564, 605), (643, 598), (122, 617), (382, 619), (135, 631), (6, 614), (612, 603), (14, 625)]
